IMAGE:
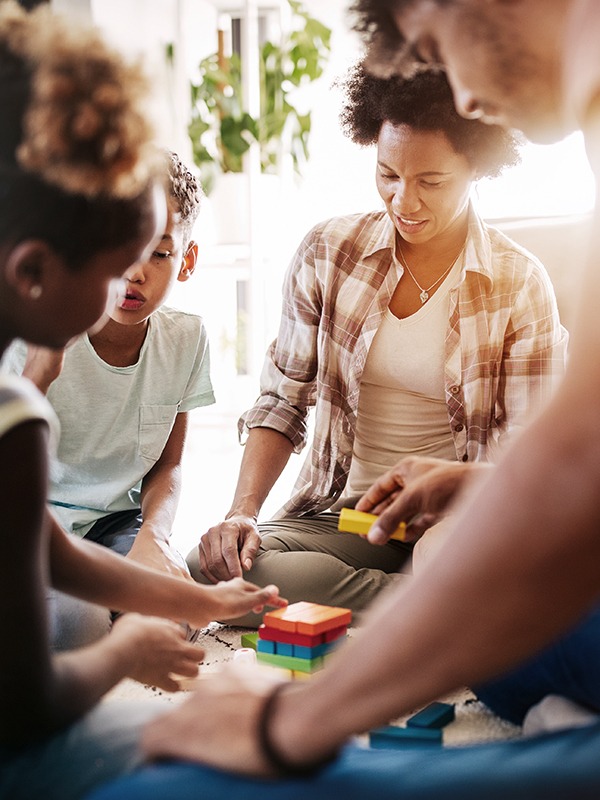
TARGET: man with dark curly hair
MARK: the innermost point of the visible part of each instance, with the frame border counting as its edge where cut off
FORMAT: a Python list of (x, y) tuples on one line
[(412, 330)]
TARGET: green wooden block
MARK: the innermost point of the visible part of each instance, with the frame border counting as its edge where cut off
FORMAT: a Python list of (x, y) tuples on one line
[(290, 662), (250, 640)]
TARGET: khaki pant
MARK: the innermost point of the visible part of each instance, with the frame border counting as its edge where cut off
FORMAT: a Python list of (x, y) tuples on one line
[(308, 559)]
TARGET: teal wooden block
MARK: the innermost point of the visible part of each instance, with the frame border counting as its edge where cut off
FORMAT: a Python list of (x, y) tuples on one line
[(391, 736), (435, 715)]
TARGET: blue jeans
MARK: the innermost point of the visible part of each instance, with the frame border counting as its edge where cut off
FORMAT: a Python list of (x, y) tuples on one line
[(570, 667), (117, 531), (560, 766), (99, 747)]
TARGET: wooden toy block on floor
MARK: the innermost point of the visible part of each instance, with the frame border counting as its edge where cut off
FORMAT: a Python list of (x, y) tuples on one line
[(435, 715), (295, 664), (249, 640), (300, 637), (353, 521), (307, 618), (392, 736), (302, 640)]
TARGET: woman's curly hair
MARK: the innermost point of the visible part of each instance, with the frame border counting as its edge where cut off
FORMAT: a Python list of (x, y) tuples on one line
[(81, 115), (424, 102)]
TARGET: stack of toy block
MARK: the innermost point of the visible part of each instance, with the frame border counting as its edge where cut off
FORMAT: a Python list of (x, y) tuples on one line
[(299, 638)]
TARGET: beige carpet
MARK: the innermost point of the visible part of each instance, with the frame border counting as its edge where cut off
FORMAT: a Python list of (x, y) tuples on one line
[(473, 721)]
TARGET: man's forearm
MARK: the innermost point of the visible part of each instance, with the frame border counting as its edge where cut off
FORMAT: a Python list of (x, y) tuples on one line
[(510, 579)]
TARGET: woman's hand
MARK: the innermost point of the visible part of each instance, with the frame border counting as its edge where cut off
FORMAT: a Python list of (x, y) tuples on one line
[(218, 724), (157, 649), (417, 491), (226, 549)]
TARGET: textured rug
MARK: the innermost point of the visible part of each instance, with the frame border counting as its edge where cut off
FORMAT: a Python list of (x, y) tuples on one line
[(473, 721)]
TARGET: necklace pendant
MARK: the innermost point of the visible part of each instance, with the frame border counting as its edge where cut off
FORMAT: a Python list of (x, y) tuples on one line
[(424, 296)]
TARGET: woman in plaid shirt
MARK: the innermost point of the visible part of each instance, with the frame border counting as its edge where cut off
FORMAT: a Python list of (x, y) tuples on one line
[(417, 330)]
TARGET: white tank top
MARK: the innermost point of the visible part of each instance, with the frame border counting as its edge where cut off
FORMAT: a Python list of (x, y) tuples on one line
[(402, 407)]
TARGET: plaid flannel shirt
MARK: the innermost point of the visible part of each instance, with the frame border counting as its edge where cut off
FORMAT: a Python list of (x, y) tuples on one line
[(504, 348)]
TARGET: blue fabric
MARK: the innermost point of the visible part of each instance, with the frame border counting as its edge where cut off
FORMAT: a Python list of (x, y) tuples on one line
[(117, 531), (570, 668), (100, 747), (561, 766)]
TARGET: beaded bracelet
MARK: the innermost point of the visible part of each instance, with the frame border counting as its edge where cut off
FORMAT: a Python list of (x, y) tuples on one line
[(279, 764)]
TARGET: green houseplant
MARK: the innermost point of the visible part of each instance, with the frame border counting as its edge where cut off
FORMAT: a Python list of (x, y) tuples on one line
[(221, 130)]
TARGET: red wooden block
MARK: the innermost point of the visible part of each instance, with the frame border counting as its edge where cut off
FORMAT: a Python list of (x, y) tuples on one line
[(334, 633), (275, 635)]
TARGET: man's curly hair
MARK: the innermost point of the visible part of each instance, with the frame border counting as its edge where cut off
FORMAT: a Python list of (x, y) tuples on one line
[(423, 102), (387, 51)]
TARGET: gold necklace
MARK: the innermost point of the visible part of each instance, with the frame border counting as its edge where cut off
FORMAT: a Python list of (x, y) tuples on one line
[(424, 295)]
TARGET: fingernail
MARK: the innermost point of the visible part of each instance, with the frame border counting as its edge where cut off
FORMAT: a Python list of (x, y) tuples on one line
[(376, 535)]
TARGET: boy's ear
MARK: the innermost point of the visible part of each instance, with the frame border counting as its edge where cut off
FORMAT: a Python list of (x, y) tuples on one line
[(26, 268), (188, 265)]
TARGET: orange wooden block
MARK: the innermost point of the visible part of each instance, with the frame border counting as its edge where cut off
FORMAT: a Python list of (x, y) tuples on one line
[(323, 619), (307, 618), (285, 619)]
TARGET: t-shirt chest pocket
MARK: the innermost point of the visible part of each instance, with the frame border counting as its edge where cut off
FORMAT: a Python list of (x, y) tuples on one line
[(156, 423)]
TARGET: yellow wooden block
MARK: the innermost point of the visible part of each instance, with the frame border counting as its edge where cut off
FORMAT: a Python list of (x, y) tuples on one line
[(353, 521)]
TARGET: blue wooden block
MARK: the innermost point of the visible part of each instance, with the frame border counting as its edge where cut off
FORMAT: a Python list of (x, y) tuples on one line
[(265, 646), (435, 715), (311, 652), (391, 737), (284, 649)]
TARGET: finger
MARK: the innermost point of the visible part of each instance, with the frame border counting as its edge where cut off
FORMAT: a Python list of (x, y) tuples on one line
[(381, 489), (168, 684), (383, 527), (269, 596), (188, 669), (223, 561), (249, 550), (203, 563), (385, 503), (229, 565)]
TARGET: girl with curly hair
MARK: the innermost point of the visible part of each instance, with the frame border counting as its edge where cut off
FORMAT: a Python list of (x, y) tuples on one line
[(80, 202)]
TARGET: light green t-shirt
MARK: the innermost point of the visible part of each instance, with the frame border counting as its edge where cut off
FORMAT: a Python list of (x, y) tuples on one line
[(115, 421)]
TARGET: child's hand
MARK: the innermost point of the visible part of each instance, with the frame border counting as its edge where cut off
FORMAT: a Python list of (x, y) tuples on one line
[(237, 597), (157, 649)]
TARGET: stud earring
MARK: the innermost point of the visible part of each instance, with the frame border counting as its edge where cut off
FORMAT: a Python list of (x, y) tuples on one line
[(35, 292)]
